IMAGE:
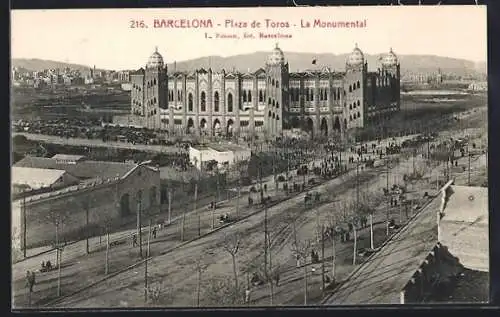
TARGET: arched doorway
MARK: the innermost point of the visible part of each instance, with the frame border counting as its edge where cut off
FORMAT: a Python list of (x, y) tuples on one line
[(229, 131), (324, 127), (125, 205), (217, 127), (295, 123), (203, 125), (190, 125), (336, 124), (310, 127)]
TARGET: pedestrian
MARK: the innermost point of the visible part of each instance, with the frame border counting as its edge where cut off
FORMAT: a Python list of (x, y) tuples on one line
[(277, 277), (134, 240), (154, 233)]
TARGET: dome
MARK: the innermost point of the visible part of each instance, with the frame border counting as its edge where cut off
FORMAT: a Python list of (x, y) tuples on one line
[(276, 56), (356, 57), (155, 60), (390, 59)]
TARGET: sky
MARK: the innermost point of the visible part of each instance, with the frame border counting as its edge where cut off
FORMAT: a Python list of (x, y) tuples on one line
[(104, 37)]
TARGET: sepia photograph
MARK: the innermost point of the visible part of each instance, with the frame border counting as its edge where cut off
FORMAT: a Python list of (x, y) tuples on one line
[(249, 157)]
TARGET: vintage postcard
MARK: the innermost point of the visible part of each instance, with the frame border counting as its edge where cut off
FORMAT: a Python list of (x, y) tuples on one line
[(249, 157)]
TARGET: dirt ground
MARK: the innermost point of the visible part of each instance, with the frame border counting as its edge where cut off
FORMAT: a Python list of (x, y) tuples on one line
[(176, 269)]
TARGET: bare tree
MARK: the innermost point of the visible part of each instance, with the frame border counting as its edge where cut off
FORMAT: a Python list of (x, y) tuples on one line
[(232, 246), (221, 292), (158, 293), (86, 208), (200, 268), (58, 217), (301, 249)]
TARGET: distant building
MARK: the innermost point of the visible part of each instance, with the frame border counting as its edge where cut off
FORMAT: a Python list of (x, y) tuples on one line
[(478, 86), (124, 76), (126, 86), (110, 191), (224, 154), (267, 101)]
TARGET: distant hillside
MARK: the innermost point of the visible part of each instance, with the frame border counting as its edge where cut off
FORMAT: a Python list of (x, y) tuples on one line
[(302, 61), (41, 64), (297, 62)]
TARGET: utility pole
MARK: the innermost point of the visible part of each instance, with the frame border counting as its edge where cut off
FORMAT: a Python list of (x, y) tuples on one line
[(24, 224), (86, 206), (238, 199), (169, 206), (195, 208), (139, 224), (469, 155), (265, 219), (146, 265), (357, 187), (387, 174), (323, 258)]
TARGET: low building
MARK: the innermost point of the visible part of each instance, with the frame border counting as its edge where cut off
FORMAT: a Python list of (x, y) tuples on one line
[(28, 178), (463, 225), (224, 154), (106, 193)]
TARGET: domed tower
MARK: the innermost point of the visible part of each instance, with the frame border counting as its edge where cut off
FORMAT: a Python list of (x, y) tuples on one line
[(354, 89), (277, 71), (391, 71), (356, 60), (155, 89)]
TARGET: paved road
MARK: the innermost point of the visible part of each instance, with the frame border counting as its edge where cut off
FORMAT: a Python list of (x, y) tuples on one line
[(206, 219), (98, 143)]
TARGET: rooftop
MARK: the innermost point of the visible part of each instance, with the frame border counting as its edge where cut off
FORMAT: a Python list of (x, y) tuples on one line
[(68, 157), (467, 204), (381, 279), (35, 178), (221, 147), (82, 169)]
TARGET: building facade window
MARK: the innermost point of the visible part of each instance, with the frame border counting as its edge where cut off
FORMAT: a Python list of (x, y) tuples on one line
[(190, 102), (203, 101), (216, 101), (230, 102)]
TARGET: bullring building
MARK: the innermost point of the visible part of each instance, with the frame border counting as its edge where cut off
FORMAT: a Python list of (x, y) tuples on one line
[(270, 100)]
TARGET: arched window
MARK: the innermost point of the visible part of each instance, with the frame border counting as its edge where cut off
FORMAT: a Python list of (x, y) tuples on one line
[(244, 96), (358, 103), (272, 82), (216, 101), (269, 100), (154, 82), (274, 103), (350, 106), (350, 118), (230, 102), (358, 84), (277, 84), (203, 102), (261, 96), (277, 105), (350, 88), (190, 102), (249, 96), (179, 95), (359, 115)]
